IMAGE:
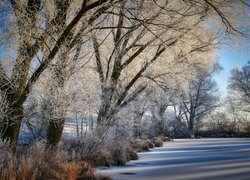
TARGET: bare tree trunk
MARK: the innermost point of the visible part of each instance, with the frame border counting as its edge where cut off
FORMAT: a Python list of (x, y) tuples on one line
[(54, 135), (59, 72), (191, 127), (58, 110), (105, 108), (137, 130), (55, 129), (106, 112), (91, 126), (10, 125), (162, 120), (11, 132), (77, 127)]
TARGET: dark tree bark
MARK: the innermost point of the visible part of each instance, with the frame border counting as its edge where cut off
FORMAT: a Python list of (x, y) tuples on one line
[(54, 134), (11, 127)]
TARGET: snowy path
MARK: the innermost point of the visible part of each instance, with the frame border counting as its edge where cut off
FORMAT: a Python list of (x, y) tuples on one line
[(186, 159)]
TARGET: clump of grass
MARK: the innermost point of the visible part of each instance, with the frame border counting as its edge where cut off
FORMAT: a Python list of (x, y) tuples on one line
[(141, 145), (158, 142), (149, 143), (131, 154)]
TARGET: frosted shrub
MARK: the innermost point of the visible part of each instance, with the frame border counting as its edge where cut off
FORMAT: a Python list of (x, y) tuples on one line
[(110, 147), (89, 149)]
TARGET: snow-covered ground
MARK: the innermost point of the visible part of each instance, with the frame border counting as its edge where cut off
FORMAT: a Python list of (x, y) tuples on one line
[(185, 159)]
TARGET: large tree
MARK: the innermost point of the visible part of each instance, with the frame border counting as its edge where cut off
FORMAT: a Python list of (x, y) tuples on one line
[(140, 40), (43, 28)]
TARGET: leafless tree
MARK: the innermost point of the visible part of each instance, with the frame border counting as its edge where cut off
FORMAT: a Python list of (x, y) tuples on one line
[(202, 98), (240, 88), (38, 23)]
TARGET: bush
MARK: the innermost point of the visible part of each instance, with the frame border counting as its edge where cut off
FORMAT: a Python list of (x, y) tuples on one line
[(119, 157), (116, 142), (139, 145), (158, 142), (87, 173), (131, 154), (75, 158), (89, 149), (149, 144), (142, 145), (35, 162), (107, 149)]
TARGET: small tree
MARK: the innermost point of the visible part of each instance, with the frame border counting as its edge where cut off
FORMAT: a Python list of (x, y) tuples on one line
[(200, 99)]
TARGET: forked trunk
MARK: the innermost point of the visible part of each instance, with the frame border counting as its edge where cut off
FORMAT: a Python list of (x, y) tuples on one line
[(191, 128)]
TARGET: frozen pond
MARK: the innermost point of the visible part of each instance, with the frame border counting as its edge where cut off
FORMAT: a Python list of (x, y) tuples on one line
[(183, 159)]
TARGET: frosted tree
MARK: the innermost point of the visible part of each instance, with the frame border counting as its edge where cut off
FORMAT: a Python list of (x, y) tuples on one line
[(139, 40), (43, 27), (201, 98)]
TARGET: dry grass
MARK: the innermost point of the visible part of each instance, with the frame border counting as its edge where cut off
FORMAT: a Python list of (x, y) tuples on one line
[(35, 162), (131, 154), (75, 159)]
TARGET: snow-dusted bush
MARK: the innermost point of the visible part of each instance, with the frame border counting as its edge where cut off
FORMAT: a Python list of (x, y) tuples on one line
[(131, 154), (140, 145), (149, 143), (111, 147), (89, 149)]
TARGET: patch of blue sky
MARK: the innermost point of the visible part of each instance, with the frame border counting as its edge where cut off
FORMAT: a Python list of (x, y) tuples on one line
[(230, 57)]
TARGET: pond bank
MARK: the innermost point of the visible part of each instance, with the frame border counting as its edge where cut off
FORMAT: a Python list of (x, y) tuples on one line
[(209, 158)]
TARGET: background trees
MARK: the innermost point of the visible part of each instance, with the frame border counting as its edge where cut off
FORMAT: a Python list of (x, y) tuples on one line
[(240, 88), (142, 42)]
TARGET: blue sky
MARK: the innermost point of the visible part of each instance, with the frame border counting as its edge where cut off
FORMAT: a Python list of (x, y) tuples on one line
[(234, 55)]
